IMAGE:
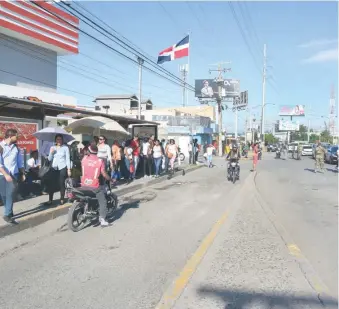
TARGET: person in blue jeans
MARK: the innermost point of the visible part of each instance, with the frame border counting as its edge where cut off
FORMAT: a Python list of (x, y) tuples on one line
[(11, 169), (157, 156)]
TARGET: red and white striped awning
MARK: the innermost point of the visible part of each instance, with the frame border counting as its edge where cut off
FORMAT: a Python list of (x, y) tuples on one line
[(45, 26)]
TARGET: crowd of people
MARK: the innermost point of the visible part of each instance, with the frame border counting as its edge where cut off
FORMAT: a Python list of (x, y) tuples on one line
[(145, 157)]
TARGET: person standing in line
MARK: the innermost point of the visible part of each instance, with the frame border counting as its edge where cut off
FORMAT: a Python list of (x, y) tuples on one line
[(190, 153), (157, 155), (319, 157), (165, 158), (128, 154), (11, 171), (171, 151), (104, 152), (75, 160), (255, 156), (116, 156), (147, 158), (61, 163), (135, 144)]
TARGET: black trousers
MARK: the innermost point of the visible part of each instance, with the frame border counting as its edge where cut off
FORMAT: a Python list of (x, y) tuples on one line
[(56, 181), (147, 165)]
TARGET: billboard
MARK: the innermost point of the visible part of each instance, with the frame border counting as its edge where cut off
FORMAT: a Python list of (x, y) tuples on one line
[(208, 88), (230, 88), (286, 125), (26, 140), (292, 110)]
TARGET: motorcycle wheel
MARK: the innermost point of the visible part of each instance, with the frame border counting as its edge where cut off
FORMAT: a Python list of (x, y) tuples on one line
[(233, 177), (113, 205), (182, 157), (74, 220)]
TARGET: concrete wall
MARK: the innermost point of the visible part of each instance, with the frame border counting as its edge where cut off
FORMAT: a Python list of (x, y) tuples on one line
[(31, 66), (116, 106)]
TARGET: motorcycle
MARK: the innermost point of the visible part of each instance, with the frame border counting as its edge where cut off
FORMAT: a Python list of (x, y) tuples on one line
[(85, 207), (259, 155), (277, 154), (232, 172)]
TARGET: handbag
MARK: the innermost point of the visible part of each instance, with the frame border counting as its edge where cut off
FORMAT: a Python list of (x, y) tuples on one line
[(131, 168), (45, 170)]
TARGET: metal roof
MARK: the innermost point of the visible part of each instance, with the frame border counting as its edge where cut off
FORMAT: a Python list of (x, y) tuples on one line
[(21, 108), (116, 96)]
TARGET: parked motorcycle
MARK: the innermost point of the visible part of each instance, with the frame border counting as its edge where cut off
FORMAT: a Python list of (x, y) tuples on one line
[(85, 207), (278, 154), (233, 171)]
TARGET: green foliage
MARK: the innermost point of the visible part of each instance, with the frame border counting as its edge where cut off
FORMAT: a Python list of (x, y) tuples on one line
[(270, 139), (325, 136)]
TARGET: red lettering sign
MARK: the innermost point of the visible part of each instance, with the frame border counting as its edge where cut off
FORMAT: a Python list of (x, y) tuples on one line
[(26, 140)]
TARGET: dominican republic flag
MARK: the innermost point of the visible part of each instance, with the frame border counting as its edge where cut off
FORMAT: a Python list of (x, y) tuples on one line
[(176, 51)]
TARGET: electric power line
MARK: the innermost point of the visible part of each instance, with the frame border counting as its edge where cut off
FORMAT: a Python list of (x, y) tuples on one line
[(123, 44), (47, 84), (108, 46)]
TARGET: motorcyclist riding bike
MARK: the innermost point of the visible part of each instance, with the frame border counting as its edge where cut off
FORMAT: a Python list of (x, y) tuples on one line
[(233, 156), (93, 175)]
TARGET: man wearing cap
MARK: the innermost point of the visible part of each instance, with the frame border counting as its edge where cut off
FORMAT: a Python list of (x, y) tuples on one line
[(92, 168)]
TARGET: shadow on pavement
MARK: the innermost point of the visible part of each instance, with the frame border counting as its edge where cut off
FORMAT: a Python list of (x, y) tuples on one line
[(333, 170), (37, 209), (309, 170), (122, 209), (243, 299)]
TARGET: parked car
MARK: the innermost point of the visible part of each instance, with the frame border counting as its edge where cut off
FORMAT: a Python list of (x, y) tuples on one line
[(331, 155), (306, 150)]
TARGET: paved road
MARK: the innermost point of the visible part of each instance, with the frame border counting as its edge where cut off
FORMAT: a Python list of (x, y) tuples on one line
[(197, 241), (307, 206)]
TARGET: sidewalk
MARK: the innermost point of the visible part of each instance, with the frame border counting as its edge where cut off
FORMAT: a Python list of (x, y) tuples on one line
[(243, 263), (31, 212)]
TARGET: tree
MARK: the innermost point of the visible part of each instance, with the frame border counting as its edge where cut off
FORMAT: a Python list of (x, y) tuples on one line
[(313, 138), (325, 136), (300, 135), (270, 139)]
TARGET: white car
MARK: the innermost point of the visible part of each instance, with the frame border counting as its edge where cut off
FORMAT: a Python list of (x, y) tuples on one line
[(307, 150)]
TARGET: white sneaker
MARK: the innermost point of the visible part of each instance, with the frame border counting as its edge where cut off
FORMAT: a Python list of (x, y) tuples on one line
[(103, 222)]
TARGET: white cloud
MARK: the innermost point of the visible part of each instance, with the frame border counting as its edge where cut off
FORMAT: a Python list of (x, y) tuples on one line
[(323, 56), (318, 43)]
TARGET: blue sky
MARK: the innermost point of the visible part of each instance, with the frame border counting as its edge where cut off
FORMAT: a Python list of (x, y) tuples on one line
[(301, 40)]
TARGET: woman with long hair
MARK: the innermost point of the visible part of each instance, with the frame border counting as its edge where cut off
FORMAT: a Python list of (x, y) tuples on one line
[(104, 152), (59, 157)]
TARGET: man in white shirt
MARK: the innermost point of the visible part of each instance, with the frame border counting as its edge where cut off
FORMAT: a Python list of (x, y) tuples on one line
[(147, 158), (207, 91)]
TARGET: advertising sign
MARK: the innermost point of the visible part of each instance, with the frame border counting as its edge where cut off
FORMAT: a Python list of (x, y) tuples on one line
[(292, 110), (26, 140), (206, 88), (230, 88), (286, 125)]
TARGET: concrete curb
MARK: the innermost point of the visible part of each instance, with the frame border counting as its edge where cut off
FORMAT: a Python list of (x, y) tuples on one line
[(36, 219)]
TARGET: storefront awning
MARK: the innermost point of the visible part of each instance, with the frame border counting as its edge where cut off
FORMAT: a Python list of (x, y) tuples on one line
[(20, 108)]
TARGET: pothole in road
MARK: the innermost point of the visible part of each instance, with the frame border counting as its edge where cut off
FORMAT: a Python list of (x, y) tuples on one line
[(142, 197), (173, 184)]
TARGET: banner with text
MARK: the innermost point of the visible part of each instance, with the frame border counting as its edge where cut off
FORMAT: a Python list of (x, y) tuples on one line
[(292, 110)]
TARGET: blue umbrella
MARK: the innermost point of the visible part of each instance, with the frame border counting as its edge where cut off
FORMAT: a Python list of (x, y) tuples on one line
[(48, 134)]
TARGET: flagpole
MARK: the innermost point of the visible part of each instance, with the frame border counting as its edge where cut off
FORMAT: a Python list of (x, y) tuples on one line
[(188, 64)]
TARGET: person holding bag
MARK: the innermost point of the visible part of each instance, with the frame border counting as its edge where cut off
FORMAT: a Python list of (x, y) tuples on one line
[(59, 157)]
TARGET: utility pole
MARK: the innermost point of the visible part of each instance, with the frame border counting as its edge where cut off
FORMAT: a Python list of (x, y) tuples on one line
[(141, 62), (184, 70), (220, 81), (263, 97), (236, 123)]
